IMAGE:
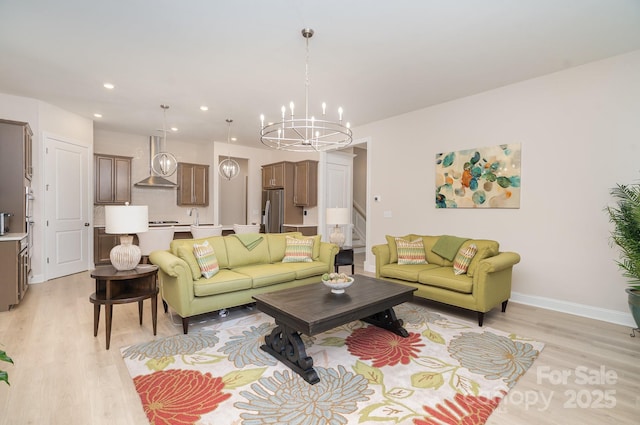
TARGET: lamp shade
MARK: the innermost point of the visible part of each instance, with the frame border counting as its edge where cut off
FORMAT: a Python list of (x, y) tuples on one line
[(338, 216), (126, 219)]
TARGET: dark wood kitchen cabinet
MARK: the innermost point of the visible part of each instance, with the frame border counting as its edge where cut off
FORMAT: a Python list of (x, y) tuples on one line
[(102, 244), (112, 179), (193, 184), (14, 263), (15, 171), (275, 176), (305, 186)]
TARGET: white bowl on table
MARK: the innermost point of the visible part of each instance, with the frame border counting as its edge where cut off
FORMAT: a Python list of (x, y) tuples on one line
[(338, 287)]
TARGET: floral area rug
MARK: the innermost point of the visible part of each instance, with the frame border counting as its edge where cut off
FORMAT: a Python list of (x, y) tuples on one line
[(448, 371)]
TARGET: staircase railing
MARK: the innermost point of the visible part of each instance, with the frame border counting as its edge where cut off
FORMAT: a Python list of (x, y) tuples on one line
[(359, 221)]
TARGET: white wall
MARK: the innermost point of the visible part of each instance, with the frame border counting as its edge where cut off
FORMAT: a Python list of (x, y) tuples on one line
[(580, 135)]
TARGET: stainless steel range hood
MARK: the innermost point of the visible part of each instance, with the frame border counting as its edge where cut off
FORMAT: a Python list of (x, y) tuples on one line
[(155, 180)]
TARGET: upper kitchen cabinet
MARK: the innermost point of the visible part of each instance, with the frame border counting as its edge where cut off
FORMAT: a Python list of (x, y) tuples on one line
[(305, 188), (15, 172), (193, 184), (273, 175), (112, 179)]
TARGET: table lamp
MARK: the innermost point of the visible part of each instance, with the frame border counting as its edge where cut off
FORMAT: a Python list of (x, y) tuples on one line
[(126, 220), (337, 216)]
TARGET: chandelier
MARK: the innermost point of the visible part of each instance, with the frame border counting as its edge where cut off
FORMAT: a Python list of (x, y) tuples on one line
[(308, 133), (229, 168), (164, 163)]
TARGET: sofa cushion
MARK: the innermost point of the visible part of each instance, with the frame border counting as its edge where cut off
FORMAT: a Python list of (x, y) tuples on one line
[(267, 274), (410, 252), (408, 272), (216, 242), (186, 253), (239, 256), (223, 282), (305, 270), (298, 250), (393, 249), (443, 277), (486, 249), (463, 259), (206, 258), (277, 244), (432, 257)]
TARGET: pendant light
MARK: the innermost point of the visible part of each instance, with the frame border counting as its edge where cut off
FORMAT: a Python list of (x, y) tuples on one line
[(229, 168), (164, 163)]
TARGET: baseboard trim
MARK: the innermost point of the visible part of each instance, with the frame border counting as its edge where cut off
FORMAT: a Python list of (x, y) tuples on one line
[(606, 315)]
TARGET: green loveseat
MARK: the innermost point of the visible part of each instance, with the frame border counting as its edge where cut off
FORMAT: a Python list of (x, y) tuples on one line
[(243, 272), (486, 284)]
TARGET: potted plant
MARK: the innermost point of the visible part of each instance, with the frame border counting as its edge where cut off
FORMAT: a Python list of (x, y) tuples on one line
[(625, 216), (4, 376)]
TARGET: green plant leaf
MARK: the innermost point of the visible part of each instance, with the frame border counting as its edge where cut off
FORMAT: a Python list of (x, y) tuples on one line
[(4, 376), (4, 357)]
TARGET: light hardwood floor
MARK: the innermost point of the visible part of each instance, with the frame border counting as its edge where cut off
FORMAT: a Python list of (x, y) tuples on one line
[(63, 375)]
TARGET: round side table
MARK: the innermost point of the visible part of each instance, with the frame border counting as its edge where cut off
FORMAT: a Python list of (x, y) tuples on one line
[(121, 287)]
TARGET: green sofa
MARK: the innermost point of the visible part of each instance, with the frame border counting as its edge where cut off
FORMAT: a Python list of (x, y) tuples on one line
[(486, 284), (243, 272)]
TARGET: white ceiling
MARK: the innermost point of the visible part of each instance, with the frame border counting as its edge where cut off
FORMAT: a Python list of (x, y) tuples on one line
[(375, 58)]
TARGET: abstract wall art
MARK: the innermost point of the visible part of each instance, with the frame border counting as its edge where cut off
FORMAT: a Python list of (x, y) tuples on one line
[(486, 177)]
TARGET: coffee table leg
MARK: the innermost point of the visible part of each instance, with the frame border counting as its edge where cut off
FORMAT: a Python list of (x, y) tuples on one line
[(285, 344), (387, 319)]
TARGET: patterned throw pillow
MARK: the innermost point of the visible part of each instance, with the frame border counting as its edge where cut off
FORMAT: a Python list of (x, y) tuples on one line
[(411, 252), (206, 259), (463, 259), (298, 250)]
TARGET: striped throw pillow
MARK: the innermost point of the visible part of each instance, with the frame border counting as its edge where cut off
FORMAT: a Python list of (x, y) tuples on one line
[(206, 258), (463, 259), (298, 250), (411, 252)]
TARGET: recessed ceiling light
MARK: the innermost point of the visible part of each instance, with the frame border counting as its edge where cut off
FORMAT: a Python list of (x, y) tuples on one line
[(204, 108), (174, 129), (108, 86), (233, 139), (97, 115)]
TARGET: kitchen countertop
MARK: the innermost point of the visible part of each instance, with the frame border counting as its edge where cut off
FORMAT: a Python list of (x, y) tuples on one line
[(300, 225), (178, 227), (12, 237)]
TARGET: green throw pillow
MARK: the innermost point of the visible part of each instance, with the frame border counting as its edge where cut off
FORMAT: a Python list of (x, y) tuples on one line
[(411, 252), (206, 259), (298, 250)]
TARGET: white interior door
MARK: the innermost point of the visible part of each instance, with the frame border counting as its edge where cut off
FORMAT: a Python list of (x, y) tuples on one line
[(339, 188), (67, 204)]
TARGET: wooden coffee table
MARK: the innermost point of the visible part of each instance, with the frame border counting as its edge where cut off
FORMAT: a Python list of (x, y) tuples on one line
[(313, 309)]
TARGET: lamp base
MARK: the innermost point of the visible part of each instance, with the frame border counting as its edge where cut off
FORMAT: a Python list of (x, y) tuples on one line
[(337, 237), (125, 256)]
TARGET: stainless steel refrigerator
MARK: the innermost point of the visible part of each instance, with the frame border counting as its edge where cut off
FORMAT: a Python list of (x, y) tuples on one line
[(273, 210)]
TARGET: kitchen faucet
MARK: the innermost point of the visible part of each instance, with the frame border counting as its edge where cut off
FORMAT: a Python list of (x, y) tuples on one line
[(197, 223)]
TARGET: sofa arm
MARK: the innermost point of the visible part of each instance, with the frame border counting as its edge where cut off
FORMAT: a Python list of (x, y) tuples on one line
[(328, 252), (176, 281), (383, 256), (498, 262), (492, 280)]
